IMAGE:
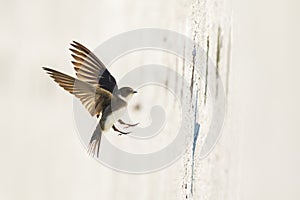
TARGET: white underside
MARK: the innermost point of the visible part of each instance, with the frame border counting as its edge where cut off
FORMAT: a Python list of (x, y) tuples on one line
[(112, 118)]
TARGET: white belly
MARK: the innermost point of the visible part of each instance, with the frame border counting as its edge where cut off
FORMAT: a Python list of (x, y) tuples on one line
[(112, 118)]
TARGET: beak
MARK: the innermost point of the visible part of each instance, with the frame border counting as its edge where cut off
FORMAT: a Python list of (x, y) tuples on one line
[(134, 92)]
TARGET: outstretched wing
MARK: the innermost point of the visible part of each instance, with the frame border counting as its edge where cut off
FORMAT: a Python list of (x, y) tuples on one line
[(90, 69), (92, 97)]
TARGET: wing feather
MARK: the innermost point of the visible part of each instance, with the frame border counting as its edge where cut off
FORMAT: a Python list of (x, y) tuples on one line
[(90, 96), (90, 68)]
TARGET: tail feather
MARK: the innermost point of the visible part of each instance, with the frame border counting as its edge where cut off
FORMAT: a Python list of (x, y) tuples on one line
[(94, 145)]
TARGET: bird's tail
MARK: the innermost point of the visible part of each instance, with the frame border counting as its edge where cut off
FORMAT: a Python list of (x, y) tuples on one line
[(95, 141)]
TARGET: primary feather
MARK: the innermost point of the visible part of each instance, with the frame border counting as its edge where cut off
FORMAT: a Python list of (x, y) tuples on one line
[(90, 69), (94, 98)]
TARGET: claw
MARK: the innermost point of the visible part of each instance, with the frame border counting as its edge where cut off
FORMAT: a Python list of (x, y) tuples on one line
[(124, 133)]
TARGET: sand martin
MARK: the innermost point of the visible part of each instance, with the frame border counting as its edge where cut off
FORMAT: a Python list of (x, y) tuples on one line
[(97, 90)]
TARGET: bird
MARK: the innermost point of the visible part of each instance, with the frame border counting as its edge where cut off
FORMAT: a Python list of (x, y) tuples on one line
[(97, 90)]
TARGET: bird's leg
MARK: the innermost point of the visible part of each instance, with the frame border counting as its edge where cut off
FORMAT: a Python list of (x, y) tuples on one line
[(121, 132), (127, 125)]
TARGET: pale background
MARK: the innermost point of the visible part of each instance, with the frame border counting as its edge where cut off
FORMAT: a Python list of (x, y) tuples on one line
[(257, 156)]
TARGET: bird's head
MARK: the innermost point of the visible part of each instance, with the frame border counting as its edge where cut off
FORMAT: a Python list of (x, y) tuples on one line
[(126, 92)]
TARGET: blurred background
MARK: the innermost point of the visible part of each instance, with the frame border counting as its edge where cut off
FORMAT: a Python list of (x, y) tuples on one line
[(257, 156)]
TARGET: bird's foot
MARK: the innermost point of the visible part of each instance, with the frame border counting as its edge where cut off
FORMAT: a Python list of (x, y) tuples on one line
[(120, 132), (126, 124)]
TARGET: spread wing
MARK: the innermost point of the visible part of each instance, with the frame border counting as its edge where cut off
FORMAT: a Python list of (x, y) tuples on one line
[(94, 98), (90, 69)]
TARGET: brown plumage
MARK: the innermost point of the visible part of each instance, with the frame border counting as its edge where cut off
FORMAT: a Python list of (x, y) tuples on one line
[(96, 88), (92, 97)]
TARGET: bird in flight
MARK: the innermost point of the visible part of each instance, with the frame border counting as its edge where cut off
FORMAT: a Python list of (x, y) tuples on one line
[(97, 90)]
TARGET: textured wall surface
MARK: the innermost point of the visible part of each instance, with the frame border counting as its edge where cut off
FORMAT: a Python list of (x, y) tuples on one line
[(41, 154)]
